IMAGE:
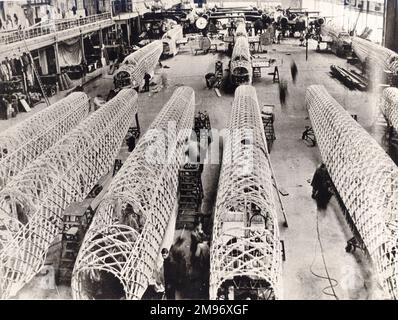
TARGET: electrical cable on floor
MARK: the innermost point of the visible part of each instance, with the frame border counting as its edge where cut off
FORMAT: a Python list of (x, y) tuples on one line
[(332, 282), (56, 287)]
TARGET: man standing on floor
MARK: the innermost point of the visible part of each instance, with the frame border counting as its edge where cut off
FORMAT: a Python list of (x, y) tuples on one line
[(321, 187), (293, 71), (283, 92), (147, 77), (169, 275)]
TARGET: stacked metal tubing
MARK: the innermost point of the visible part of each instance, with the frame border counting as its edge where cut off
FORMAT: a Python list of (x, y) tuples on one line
[(170, 39), (32, 204), (124, 239), (241, 58), (140, 62), (24, 142), (245, 183), (380, 58), (389, 106), (365, 177)]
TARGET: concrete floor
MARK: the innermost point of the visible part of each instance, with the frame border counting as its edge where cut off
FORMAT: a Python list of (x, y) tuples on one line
[(293, 161)]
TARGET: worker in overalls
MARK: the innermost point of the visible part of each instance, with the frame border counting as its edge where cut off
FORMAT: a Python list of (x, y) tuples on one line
[(321, 187), (293, 71), (147, 78), (169, 272)]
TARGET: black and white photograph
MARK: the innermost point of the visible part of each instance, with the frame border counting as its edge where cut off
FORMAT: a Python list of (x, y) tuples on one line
[(198, 150)]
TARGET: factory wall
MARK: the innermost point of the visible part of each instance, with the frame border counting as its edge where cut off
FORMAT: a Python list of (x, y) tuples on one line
[(291, 3), (20, 13), (391, 25), (347, 13)]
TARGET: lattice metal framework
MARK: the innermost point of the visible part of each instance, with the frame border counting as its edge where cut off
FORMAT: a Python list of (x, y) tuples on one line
[(341, 40), (365, 177), (170, 39), (376, 56), (241, 68), (123, 241), (144, 60), (245, 233), (32, 205), (24, 142), (389, 106), (241, 29), (332, 30)]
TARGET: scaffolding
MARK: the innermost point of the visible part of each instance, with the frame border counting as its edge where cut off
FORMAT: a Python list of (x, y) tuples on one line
[(32, 205), (365, 178), (124, 239), (135, 65), (246, 250), (24, 142)]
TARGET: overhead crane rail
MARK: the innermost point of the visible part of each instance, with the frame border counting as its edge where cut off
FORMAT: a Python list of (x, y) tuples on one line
[(32, 205), (365, 178), (124, 240), (246, 250), (24, 142)]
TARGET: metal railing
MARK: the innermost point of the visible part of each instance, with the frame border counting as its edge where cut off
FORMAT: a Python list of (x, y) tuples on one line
[(48, 27)]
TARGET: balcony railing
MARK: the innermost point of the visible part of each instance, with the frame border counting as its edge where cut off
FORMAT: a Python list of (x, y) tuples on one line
[(48, 27)]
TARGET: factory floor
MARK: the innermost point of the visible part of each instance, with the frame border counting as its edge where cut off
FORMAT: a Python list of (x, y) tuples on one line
[(293, 162)]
